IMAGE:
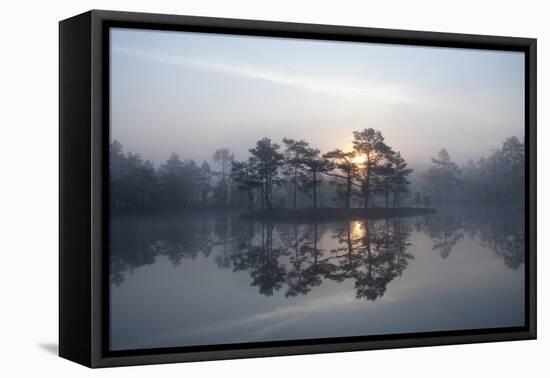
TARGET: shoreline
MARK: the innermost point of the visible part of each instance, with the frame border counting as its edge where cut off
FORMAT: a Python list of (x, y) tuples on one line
[(334, 214)]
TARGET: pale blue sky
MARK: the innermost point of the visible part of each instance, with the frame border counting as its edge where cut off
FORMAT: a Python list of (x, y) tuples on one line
[(191, 93)]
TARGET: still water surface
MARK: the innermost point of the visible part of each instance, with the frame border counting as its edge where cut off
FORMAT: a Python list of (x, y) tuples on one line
[(215, 279)]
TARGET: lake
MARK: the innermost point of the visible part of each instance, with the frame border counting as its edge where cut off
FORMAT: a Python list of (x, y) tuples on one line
[(202, 279)]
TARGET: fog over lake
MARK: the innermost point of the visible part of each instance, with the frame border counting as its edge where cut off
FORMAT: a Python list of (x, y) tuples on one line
[(269, 189), (217, 279)]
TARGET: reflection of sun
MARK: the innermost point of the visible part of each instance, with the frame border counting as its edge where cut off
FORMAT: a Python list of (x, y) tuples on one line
[(357, 230), (359, 159)]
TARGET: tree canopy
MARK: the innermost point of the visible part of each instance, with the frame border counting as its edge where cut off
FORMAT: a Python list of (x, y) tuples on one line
[(295, 175)]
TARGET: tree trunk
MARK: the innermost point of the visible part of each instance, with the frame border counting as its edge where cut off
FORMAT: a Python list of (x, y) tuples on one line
[(143, 198), (348, 192), (262, 196), (366, 190), (295, 186), (267, 193), (224, 188), (250, 200), (314, 191), (387, 193)]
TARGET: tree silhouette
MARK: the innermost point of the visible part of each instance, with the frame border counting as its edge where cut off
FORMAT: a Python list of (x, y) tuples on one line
[(315, 165), (245, 177), (347, 170), (443, 177), (172, 183), (268, 161), (369, 144), (373, 171), (294, 156), (180, 184), (133, 181), (384, 177), (495, 179), (500, 176), (204, 183), (116, 173), (512, 156), (223, 157), (399, 179)]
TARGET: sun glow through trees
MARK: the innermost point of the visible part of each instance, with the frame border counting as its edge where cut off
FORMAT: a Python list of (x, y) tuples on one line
[(359, 159)]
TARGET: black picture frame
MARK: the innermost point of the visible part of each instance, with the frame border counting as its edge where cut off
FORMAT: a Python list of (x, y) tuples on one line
[(83, 195)]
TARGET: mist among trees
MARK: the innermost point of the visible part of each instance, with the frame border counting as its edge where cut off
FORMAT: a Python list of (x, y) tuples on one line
[(294, 175), (495, 179), (288, 175)]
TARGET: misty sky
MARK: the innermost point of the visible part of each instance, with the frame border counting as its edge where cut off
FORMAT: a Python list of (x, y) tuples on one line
[(191, 93)]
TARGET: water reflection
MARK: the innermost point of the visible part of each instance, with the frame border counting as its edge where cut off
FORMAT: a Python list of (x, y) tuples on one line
[(296, 258), (500, 230), (444, 230), (372, 254)]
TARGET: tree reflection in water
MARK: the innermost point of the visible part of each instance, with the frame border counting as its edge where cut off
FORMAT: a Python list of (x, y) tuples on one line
[(262, 259), (506, 239), (372, 253), (309, 264), (501, 230), (445, 231), (296, 258)]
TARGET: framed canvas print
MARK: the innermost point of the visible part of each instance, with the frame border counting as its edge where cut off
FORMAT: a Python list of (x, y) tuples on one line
[(234, 188)]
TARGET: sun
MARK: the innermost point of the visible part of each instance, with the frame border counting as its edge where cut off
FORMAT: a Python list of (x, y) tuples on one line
[(359, 159), (357, 230)]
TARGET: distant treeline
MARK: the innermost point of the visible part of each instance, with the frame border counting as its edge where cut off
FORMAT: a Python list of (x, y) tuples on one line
[(294, 175), (291, 175), (498, 178)]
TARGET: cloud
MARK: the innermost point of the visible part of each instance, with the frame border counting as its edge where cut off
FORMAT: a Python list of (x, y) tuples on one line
[(255, 326), (342, 87)]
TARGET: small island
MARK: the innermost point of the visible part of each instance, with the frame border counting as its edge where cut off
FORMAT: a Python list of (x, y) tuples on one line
[(333, 214)]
